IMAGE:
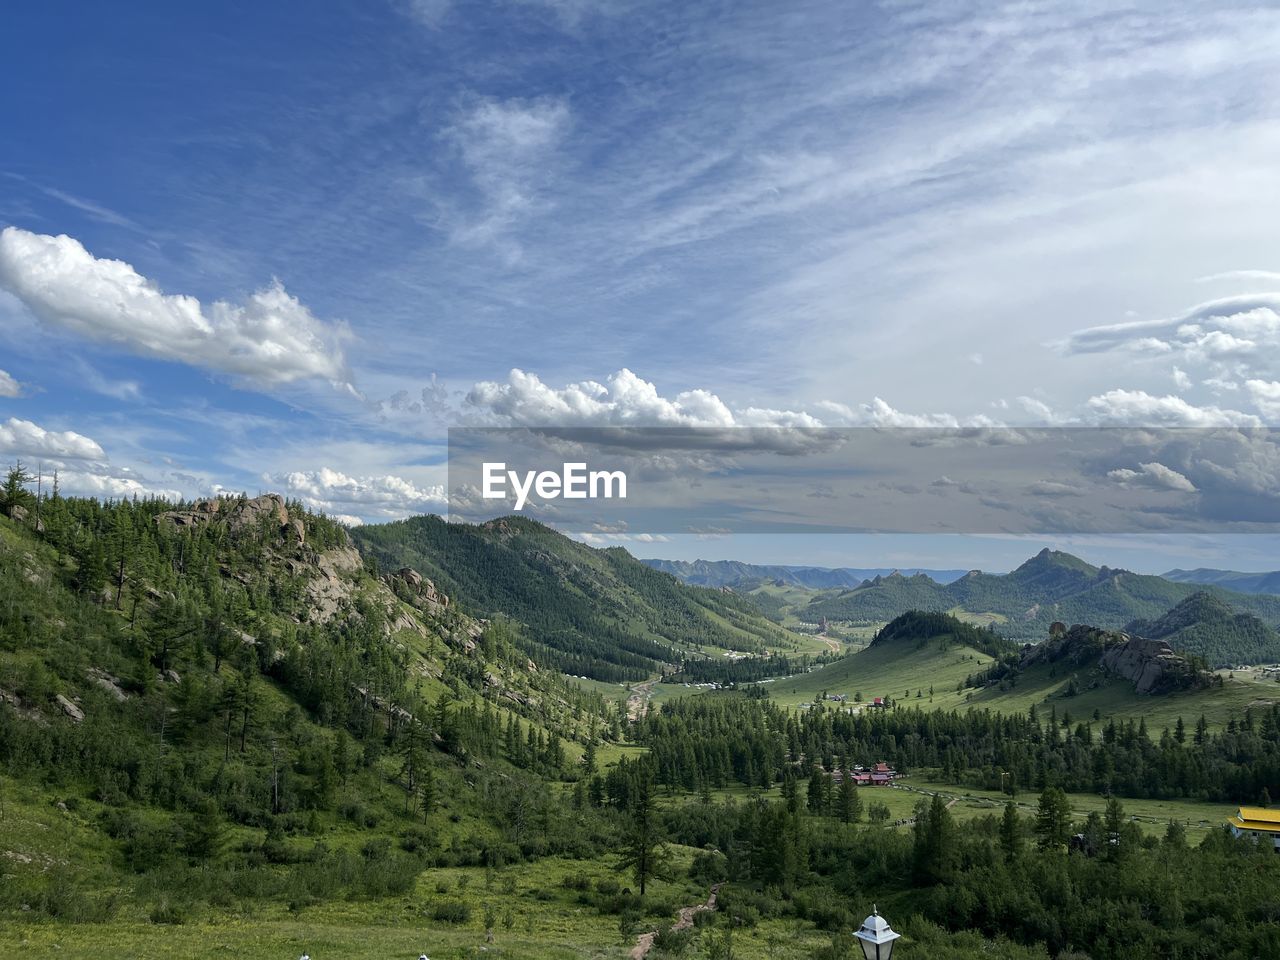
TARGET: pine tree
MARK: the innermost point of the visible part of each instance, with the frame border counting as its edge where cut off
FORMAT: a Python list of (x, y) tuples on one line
[(1010, 832), (848, 803), (1053, 819), (644, 852)]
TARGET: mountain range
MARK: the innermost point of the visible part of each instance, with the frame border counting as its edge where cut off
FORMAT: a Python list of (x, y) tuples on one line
[(1051, 586), (734, 573), (1229, 579)]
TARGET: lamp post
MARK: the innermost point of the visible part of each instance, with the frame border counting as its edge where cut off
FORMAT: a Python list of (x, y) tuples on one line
[(876, 937)]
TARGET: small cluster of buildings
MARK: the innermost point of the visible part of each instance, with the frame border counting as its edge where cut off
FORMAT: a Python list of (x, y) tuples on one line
[(880, 775)]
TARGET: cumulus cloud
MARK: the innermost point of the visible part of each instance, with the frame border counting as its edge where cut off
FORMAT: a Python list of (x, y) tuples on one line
[(624, 399), (348, 498), (1266, 396), (110, 485), (607, 538), (627, 400), (9, 387), (26, 439), (1227, 340), (1139, 408), (1155, 475), (269, 339), (1253, 317)]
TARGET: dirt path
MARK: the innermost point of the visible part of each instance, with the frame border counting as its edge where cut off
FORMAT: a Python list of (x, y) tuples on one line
[(911, 821), (644, 942), (833, 645), (638, 701)]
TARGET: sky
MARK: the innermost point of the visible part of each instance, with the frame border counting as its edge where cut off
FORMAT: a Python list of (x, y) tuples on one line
[(286, 246)]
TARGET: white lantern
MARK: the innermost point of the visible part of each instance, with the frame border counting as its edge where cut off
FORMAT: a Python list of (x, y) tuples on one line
[(876, 937)]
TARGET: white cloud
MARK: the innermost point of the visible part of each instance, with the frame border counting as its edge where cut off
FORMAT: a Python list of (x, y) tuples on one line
[(1266, 396), (1232, 339), (1139, 408), (1155, 475), (270, 339), (627, 400), (506, 147), (27, 439), (109, 485), (9, 387), (605, 538), (624, 399), (385, 497)]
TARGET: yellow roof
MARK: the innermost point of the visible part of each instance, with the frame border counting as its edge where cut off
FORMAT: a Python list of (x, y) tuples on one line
[(1259, 813), (1257, 819)]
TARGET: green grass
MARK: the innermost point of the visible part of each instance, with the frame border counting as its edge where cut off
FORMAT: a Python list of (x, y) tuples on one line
[(885, 671), (897, 669), (1115, 698), (1151, 815)]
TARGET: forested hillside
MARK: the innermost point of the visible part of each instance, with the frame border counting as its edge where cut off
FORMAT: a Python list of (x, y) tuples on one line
[(1206, 625), (224, 730), (228, 707), (598, 613)]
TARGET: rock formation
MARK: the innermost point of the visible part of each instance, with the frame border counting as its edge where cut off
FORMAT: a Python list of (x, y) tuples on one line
[(1151, 665)]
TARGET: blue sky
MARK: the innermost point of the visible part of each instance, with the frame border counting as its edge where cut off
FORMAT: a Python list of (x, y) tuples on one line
[(285, 246)]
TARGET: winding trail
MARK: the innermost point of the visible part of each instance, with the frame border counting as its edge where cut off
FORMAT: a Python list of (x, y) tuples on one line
[(644, 942), (638, 701)]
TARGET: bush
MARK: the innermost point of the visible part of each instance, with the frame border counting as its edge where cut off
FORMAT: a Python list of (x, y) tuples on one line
[(451, 911), (166, 912), (671, 941), (709, 866)]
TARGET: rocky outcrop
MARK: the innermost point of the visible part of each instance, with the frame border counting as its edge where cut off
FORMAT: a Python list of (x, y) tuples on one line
[(108, 684), (69, 708), (237, 512), (1081, 645), (1152, 665), (412, 586), (331, 586)]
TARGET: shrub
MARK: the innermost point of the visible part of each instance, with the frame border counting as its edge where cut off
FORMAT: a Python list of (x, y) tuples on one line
[(671, 941), (166, 912), (451, 911)]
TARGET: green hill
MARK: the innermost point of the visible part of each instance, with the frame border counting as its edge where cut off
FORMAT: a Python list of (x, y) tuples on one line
[(1051, 586), (598, 613), (924, 653), (217, 706), (1204, 624)]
